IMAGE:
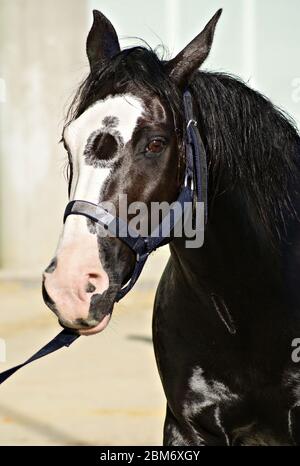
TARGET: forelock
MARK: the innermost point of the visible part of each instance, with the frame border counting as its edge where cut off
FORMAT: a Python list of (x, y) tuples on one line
[(132, 70)]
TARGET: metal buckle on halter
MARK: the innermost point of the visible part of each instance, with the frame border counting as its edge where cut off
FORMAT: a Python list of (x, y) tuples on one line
[(191, 122), (189, 181), (141, 256)]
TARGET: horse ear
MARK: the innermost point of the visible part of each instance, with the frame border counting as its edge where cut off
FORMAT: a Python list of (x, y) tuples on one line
[(102, 41), (193, 55)]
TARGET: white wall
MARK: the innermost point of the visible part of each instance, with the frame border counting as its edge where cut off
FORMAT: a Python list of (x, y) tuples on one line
[(258, 40), (42, 58)]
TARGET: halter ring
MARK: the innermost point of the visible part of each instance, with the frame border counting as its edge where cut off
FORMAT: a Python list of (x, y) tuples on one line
[(191, 122)]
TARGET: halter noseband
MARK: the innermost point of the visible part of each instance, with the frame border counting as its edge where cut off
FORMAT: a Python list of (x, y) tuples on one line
[(195, 184)]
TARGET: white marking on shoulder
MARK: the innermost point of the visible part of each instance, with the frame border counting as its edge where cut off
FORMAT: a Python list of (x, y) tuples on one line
[(220, 425), (212, 390), (204, 393)]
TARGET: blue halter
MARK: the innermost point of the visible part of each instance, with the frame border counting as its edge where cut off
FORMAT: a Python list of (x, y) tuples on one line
[(194, 187), (195, 175)]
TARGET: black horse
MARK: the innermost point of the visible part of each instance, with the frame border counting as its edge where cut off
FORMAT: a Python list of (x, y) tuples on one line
[(225, 314)]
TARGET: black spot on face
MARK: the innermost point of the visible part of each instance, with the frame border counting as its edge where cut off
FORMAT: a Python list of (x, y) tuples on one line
[(90, 288), (110, 122), (101, 148), (91, 226)]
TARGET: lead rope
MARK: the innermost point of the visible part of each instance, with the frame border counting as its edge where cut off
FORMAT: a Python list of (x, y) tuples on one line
[(64, 338)]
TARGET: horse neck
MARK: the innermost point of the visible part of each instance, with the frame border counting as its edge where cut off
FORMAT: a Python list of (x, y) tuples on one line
[(251, 234), (239, 259)]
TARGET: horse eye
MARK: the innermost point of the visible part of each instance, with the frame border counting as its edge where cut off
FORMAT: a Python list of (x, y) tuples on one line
[(155, 146)]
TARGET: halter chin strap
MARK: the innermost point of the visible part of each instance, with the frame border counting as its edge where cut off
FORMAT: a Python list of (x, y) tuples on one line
[(195, 186), (64, 338), (141, 246)]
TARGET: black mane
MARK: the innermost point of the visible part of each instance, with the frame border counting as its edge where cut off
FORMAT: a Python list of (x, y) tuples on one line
[(252, 146)]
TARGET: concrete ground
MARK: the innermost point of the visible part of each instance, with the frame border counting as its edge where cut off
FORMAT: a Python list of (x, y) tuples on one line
[(103, 390)]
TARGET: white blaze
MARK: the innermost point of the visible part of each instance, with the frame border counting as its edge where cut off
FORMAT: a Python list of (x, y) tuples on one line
[(87, 180)]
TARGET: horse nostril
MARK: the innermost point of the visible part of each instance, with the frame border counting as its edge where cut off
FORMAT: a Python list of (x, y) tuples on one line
[(90, 288), (52, 266), (94, 281)]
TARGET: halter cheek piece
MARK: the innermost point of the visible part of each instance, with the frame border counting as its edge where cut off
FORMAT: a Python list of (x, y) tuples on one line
[(194, 187)]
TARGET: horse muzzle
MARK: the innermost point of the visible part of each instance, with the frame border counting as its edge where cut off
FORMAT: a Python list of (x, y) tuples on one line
[(75, 288)]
